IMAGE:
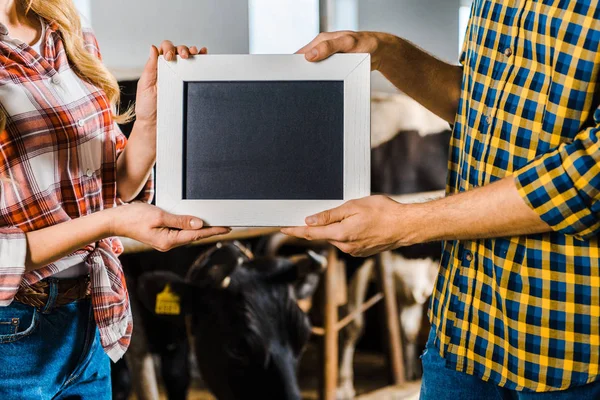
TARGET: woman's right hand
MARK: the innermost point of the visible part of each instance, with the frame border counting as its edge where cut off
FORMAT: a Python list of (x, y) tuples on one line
[(157, 228)]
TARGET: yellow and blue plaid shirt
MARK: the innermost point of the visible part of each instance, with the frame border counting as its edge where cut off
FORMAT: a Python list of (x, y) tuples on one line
[(524, 312)]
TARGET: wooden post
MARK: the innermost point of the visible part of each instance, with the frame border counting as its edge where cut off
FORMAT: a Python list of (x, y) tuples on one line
[(330, 355), (392, 323)]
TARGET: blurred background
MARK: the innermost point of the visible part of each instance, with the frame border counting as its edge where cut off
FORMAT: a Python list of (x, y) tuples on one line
[(125, 29), (409, 157)]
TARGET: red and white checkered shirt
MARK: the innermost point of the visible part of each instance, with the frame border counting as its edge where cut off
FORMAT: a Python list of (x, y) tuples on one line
[(58, 158)]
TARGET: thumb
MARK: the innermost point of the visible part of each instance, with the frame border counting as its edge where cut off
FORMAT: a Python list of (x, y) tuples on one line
[(149, 75), (181, 221), (327, 217)]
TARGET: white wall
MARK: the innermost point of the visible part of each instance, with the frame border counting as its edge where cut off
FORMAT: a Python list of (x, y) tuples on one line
[(127, 28), (84, 7), (431, 24), (282, 26)]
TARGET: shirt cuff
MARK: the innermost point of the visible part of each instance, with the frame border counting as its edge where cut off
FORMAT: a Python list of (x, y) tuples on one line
[(546, 187), (13, 251)]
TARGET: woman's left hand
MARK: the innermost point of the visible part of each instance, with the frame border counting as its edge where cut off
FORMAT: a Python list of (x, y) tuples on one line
[(145, 106)]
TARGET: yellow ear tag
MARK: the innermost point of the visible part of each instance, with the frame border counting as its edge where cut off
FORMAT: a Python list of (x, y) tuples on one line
[(167, 302)]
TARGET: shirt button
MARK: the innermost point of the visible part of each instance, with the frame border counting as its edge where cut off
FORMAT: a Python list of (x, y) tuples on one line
[(56, 80), (508, 52), (81, 122), (469, 256), (89, 173), (488, 119)]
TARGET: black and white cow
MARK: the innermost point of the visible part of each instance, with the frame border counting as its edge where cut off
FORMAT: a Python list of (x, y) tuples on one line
[(409, 155), (243, 320)]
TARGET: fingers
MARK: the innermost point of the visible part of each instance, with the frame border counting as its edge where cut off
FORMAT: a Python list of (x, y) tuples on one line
[(182, 222), (319, 38), (325, 225), (176, 238), (167, 49), (327, 44), (170, 51), (328, 217), (330, 232), (188, 236), (183, 51), (327, 48), (208, 232), (149, 75)]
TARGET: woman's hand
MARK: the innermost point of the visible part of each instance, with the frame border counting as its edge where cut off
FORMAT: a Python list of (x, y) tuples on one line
[(157, 228), (362, 227), (135, 163), (145, 106), (139, 221), (328, 43)]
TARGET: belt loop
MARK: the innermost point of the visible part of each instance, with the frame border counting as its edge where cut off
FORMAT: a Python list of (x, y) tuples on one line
[(52, 295)]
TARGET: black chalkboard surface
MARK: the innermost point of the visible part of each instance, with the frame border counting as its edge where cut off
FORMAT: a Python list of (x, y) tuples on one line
[(257, 140)]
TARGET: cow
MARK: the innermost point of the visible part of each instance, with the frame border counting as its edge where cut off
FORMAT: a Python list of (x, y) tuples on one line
[(244, 325), (153, 339), (414, 270), (409, 155), (410, 146), (414, 276)]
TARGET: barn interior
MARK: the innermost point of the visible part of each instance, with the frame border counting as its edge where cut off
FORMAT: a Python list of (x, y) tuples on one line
[(368, 322)]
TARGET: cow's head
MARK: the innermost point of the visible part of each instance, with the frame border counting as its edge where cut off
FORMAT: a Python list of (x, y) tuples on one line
[(248, 331)]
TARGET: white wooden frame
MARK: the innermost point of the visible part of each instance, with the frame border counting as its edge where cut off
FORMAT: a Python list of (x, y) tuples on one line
[(352, 69)]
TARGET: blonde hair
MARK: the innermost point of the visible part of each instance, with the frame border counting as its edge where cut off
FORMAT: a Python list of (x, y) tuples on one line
[(85, 64)]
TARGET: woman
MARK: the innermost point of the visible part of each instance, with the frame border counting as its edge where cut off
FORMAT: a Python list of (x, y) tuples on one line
[(64, 167)]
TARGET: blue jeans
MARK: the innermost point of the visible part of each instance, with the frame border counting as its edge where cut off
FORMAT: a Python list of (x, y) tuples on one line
[(441, 383), (54, 353)]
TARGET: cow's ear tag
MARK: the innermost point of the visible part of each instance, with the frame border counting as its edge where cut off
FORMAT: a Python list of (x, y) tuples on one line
[(167, 302)]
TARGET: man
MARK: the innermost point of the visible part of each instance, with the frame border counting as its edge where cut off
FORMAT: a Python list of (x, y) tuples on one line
[(516, 307)]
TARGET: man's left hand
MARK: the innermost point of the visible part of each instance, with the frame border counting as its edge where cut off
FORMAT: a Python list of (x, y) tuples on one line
[(361, 227)]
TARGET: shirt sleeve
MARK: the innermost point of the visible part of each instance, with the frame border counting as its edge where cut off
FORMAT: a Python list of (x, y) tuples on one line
[(563, 186), (13, 250), (13, 247), (467, 40), (147, 193)]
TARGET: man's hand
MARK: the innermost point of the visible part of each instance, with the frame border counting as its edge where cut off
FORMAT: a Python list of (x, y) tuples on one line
[(374, 224), (431, 82), (361, 227), (329, 43)]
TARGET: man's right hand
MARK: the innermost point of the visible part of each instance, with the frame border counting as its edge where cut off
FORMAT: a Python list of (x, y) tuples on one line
[(157, 228), (329, 43)]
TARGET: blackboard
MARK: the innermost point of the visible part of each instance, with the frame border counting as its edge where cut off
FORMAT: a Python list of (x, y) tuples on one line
[(263, 140)]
